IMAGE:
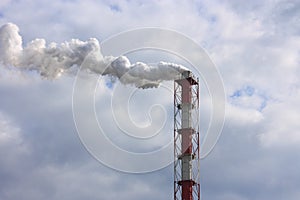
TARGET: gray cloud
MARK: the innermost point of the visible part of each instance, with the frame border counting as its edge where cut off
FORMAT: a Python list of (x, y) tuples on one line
[(253, 44)]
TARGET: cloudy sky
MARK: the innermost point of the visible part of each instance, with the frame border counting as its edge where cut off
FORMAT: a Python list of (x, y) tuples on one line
[(256, 47)]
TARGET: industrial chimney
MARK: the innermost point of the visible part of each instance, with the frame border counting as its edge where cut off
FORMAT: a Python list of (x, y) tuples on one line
[(186, 138)]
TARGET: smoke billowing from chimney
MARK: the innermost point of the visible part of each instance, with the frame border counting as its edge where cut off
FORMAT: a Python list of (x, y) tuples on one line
[(52, 60)]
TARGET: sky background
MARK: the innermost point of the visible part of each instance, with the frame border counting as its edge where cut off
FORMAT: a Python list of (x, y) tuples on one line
[(256, 47)]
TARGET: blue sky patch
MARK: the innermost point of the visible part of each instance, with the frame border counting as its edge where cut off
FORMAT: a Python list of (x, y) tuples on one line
[(249, 97), (247, 90), (109, 84), (115, 8)]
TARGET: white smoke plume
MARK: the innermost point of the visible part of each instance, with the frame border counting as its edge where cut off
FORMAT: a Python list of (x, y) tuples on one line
[(53, 60)]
